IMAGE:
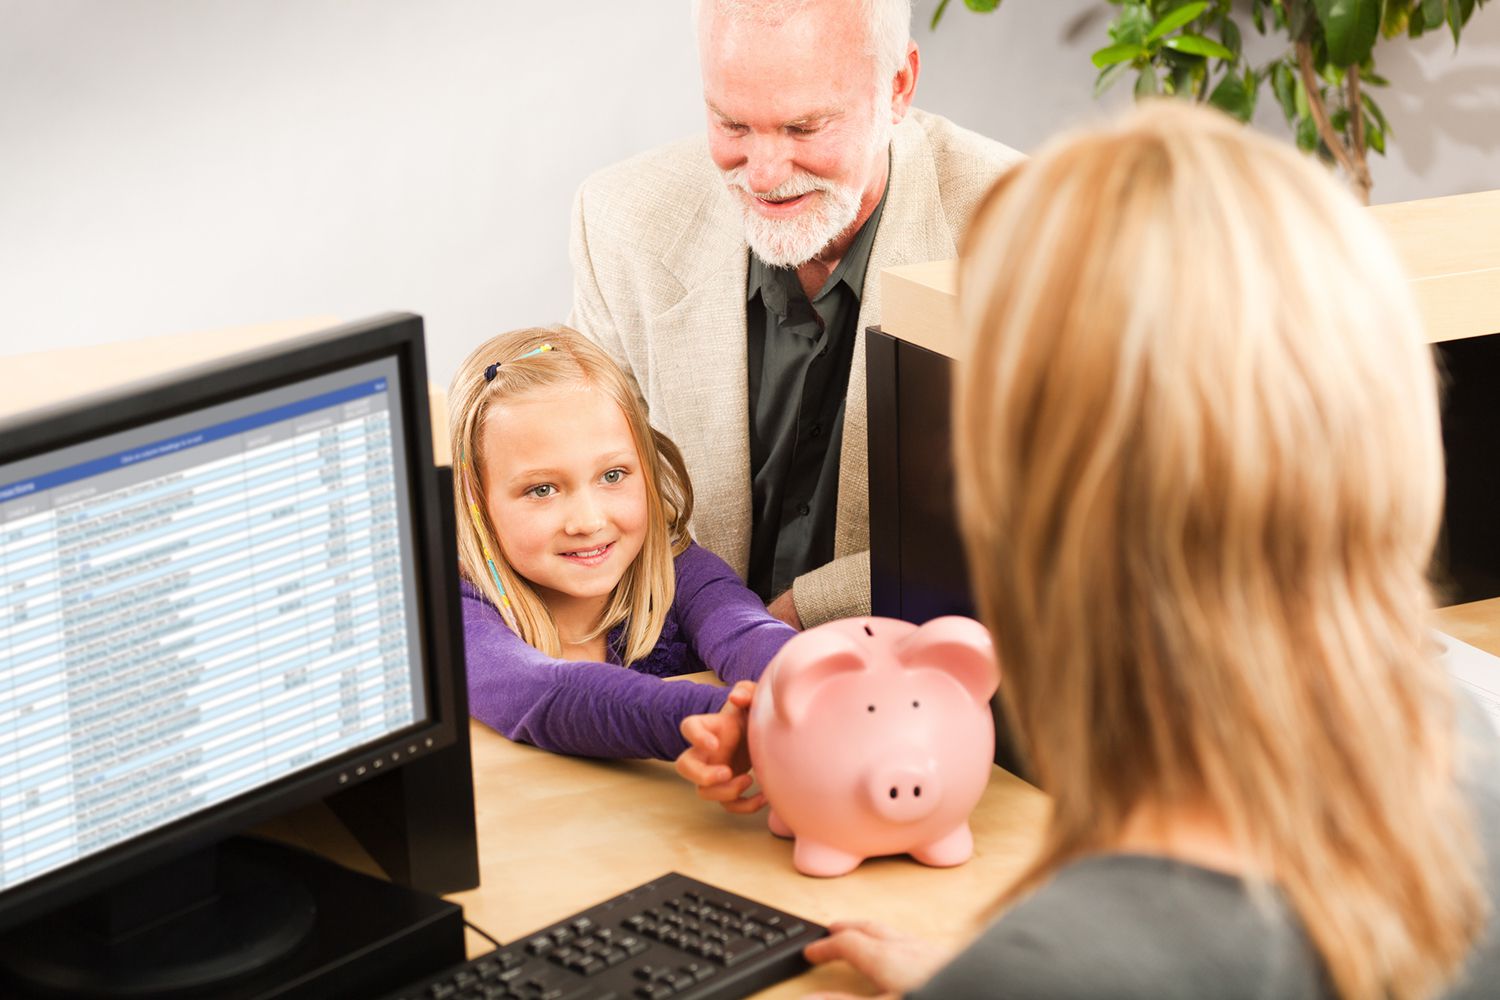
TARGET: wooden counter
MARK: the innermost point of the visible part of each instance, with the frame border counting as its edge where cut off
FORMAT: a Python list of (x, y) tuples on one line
[(1450, 246)]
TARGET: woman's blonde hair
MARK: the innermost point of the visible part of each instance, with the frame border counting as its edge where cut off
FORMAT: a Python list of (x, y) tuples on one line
[(1200, 477), (644, 593)]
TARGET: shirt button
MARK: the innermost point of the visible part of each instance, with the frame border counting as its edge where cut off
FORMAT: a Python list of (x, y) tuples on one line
[(815, 430), (804, 510)]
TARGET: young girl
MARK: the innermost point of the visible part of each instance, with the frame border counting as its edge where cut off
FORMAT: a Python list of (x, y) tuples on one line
[(582, 589)]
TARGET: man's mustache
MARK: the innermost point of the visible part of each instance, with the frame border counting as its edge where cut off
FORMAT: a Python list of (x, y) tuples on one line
[(799, 183)]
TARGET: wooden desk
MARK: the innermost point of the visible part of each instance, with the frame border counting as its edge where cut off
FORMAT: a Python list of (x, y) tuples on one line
[(557, 834)]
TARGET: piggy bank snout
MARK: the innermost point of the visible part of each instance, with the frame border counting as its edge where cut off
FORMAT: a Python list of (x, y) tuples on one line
[(904, 793)]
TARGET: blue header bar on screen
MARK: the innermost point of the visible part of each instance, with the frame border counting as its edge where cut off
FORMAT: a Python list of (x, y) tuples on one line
[(182, 442)]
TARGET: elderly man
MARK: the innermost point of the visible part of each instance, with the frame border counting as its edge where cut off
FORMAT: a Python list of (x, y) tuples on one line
[(732, 278)]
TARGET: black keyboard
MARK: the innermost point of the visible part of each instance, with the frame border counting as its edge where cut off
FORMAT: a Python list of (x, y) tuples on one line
[(672, 937)]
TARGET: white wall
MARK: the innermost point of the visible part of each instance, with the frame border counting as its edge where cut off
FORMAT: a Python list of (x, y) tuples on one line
[(174, 165)]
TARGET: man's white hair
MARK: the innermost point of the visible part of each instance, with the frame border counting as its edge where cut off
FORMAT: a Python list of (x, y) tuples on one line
[(888, 22)]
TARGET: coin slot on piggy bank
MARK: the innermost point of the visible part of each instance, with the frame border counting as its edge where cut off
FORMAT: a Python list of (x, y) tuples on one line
[(872, 736)]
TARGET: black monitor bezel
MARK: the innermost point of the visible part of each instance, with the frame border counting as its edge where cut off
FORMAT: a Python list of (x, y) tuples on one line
[(397, 336)]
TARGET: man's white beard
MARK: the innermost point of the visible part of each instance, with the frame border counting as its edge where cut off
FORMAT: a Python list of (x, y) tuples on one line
[(795, 241)]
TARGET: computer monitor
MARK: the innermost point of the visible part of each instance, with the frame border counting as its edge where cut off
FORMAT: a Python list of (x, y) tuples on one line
[(216, 605)]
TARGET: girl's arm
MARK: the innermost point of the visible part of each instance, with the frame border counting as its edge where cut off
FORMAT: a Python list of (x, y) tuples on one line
[(730, 629), (584, 709)]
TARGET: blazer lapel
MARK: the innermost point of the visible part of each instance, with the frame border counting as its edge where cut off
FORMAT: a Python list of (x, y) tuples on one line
[(913, 229), (700, 393)]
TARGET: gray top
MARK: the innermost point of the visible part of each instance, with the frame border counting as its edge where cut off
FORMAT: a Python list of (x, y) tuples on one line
[(1128, 925), (799, 354)]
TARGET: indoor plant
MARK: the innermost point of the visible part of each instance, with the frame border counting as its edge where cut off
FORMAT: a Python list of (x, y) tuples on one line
[(1321, 80)]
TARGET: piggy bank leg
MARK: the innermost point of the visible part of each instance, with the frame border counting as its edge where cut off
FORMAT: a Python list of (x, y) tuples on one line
[(822, 861), (778, 826), (951, 849)]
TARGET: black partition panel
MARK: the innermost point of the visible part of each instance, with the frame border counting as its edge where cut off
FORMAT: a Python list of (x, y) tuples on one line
[(1468, 557), (917, 567)]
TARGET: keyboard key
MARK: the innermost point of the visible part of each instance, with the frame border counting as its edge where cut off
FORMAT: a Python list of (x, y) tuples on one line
[(739, 950)]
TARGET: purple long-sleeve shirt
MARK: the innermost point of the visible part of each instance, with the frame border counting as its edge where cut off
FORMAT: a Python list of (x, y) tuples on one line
[(602, 709)]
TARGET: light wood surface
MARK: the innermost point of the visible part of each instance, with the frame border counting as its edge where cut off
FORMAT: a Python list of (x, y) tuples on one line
[(1478, 624), (557, 834), (1449, 246), (39, 379), (49, 377)]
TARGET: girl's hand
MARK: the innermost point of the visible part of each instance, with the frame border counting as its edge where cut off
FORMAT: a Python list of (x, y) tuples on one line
[(717, 759), (895, 962)]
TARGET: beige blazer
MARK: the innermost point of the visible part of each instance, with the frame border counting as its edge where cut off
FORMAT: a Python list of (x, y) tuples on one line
[(659, 272)]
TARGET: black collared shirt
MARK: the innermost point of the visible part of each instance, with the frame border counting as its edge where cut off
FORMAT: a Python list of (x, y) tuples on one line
[(799, 357)]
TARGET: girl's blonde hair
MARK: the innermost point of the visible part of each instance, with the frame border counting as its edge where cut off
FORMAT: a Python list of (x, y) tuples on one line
[(645, 592), (1200, 478)]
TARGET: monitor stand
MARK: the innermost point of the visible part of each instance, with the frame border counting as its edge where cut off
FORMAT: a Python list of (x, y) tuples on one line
[(206, 919), (247, 919)]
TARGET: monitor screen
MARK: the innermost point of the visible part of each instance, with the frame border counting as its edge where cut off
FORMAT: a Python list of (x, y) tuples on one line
[(206, 605)]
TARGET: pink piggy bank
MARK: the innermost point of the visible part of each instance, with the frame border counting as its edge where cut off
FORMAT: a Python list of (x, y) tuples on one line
[(871, 736)]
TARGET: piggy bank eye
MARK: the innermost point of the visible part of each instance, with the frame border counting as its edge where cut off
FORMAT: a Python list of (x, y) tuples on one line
[(869, 708), (915, 705)]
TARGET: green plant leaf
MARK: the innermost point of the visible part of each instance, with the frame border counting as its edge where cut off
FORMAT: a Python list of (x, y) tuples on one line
[(1397, 19), (1415, 23), (1296, 16), (1284, 85), (1197, 45), (1108, 76), (1232, 96), (1374, 135), (1176, 19), (1350, 28), (1117, 53), (1132, 24), (937, 15), (1432, 13), (982, 6), (1145, 84), (1307, 135), (1229, 34)]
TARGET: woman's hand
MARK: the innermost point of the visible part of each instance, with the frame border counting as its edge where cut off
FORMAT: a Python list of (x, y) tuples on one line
[(895, 962), (717, 759)]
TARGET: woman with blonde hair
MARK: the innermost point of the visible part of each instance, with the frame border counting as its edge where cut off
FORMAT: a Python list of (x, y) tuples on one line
[(581, 587), (1200, 478)]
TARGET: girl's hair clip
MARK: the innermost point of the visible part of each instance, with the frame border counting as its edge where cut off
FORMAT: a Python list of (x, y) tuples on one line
[(489, 373)]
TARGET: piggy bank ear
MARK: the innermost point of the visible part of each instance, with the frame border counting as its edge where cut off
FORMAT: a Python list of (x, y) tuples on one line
[(960, 647), (805, 663)]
